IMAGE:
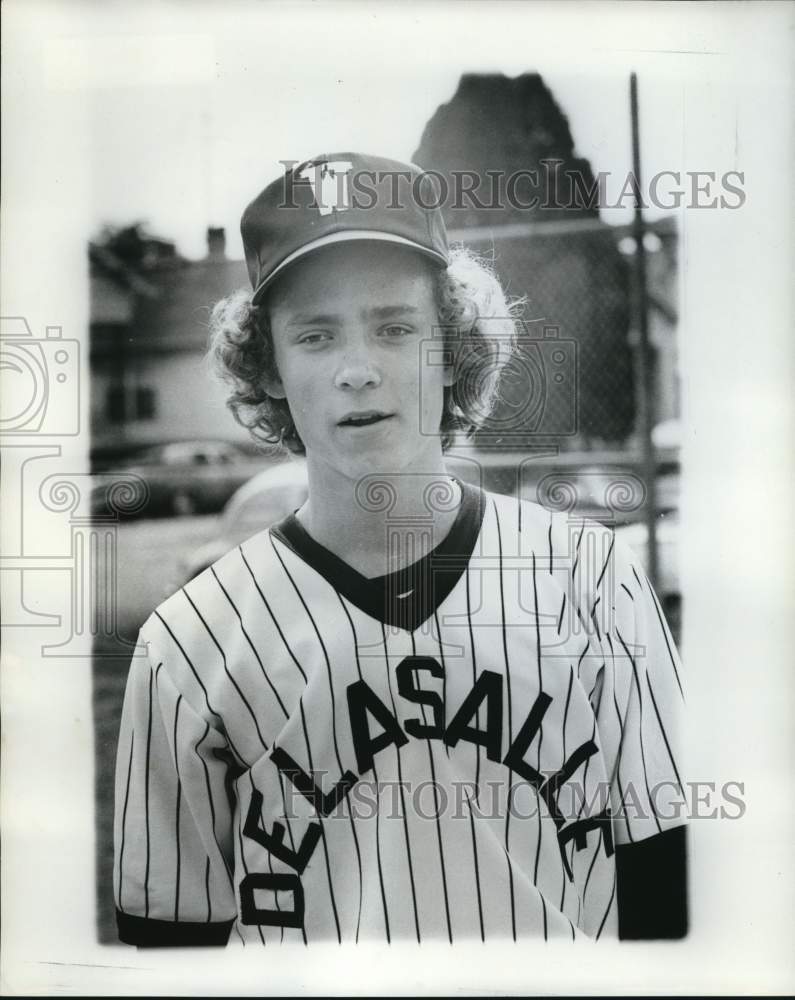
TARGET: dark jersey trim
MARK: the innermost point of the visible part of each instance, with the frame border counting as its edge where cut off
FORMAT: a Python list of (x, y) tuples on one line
[(652, 887), (147, 933), (428, 581)]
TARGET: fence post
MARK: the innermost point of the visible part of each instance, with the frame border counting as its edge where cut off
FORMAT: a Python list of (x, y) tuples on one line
[(646, 382)]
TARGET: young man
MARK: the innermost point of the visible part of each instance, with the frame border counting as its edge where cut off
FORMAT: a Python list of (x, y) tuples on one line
[(413, 709)]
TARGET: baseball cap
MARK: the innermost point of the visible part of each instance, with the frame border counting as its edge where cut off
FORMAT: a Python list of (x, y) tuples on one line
[(340, 198)]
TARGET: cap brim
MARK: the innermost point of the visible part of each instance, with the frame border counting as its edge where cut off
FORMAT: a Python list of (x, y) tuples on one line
[(345, 236)]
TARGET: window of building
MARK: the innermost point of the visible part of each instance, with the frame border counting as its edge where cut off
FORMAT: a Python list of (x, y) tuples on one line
[(124, 404)]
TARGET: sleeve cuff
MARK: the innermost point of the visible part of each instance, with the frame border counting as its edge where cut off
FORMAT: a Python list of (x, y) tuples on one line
[(146, 933), (652, 887)]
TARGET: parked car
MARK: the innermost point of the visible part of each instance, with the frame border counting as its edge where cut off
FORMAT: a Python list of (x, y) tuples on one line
[(271, 495), (180, 477)]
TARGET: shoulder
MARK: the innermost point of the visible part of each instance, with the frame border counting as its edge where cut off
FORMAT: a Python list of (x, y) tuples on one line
[(541, 525), (579, 549), (212, 597)]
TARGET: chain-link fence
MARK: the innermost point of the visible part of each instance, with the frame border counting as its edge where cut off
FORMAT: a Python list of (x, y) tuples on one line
[(577, 363)]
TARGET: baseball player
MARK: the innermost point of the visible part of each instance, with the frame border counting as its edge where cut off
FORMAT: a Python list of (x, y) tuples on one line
[(413, 709)]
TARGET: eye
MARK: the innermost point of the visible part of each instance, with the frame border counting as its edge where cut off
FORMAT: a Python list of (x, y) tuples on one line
[(394, 331), (314, 338)]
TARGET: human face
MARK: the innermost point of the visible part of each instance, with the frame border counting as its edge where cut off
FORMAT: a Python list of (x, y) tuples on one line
[(348, 325)]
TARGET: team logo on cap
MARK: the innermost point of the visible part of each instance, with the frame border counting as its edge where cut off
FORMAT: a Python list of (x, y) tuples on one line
[(330, 184)]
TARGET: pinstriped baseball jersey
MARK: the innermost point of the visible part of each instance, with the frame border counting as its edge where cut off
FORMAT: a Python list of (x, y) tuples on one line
[(452, 752)]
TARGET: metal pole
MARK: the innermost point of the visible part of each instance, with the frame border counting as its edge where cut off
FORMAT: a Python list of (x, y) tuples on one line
[(646, 394)]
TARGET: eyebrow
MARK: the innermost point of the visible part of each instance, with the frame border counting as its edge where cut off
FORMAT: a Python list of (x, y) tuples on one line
[(329, 319)]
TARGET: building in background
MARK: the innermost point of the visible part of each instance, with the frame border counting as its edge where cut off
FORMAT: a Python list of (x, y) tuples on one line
[(150, 309)]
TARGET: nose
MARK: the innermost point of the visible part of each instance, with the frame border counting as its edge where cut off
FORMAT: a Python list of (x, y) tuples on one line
[(357, 371)]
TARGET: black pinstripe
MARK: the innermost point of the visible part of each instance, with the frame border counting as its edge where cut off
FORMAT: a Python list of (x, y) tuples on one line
[(566, 708), (640, 727), (582, 656), (353, 826), (179, 804), (562, 609), (146, 797), (211, 802), (620, 746), (595, 621), (124, 817), (565, 721), (477, 760), (540, 834), (539, 837), (477, 869), (596, 684), (474, 681), (577, 551), (400, 778), (593, 862), (538, 655), (438, 825), (621, 795), (606, 562), (664, 735), (510, 723), (444, 673), (607, 911), (207, 890)]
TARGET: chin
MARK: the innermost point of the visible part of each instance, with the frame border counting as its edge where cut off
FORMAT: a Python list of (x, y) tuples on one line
[(384, 461)]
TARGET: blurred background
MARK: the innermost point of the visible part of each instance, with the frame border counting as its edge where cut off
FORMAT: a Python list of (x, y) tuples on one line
[(598, 280)]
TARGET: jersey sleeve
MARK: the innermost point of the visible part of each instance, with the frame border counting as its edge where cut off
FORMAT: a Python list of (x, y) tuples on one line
[(173, 816), (639, 718), (644, 721)]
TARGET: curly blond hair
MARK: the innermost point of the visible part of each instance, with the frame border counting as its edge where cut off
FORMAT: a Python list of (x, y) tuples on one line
[(478, 324)]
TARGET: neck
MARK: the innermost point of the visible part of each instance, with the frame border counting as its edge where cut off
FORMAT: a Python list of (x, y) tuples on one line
[(380, 522)]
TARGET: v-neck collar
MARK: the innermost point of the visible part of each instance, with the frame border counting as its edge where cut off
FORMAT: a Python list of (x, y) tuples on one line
[(406, 597)]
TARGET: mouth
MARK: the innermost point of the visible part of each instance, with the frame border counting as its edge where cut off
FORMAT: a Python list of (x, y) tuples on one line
[(364, 418)]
